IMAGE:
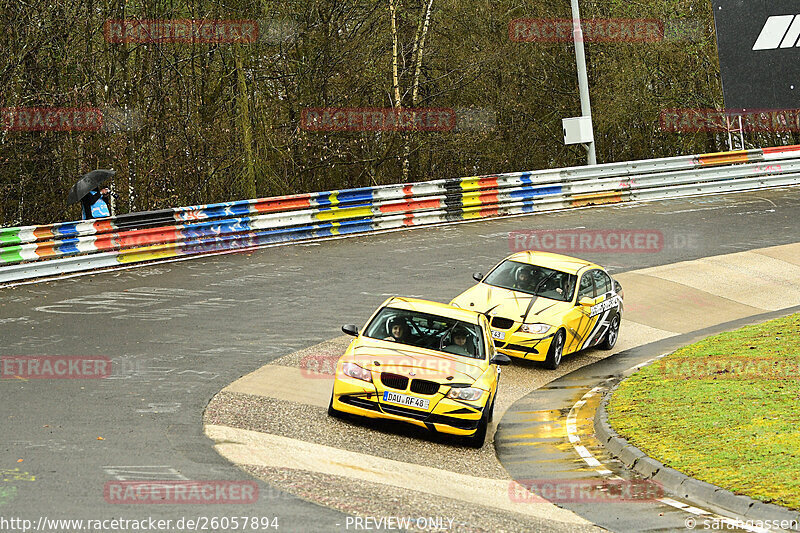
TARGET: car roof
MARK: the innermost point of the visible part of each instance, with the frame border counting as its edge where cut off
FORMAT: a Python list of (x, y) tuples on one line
[(433, 308), (564, 263)]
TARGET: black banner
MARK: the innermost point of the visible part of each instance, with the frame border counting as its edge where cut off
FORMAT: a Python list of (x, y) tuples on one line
[(759, 54)]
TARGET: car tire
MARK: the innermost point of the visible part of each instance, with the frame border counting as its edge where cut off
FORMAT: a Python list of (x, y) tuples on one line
[(477, 439), (333, 413), (613, 334), (491, 409), (555, 352)]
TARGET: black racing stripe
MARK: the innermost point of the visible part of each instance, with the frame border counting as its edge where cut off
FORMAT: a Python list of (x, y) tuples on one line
[(463, 412), (458, 423), (357, 401), (520, 348), (596, 329)]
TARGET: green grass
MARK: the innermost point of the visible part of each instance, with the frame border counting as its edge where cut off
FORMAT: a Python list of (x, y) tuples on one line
[(725, 410)]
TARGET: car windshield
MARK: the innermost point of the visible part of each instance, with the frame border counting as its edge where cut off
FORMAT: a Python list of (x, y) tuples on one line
[(533, 279), (427, 331)]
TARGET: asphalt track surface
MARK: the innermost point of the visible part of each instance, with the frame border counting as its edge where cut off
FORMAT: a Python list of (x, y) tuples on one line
[(180, 332)]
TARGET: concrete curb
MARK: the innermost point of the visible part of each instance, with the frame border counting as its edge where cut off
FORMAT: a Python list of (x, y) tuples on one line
[(698, 492)]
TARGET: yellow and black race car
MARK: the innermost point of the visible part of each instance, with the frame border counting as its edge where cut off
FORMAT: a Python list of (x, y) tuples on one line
[(544, 305), (424, 363)]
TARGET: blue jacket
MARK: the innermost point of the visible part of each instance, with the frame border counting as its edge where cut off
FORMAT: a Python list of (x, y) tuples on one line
[(94, 206)]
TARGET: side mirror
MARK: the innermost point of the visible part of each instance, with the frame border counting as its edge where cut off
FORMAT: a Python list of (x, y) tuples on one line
[(477, 276), (586, 302), (501, 359), (350, 329)]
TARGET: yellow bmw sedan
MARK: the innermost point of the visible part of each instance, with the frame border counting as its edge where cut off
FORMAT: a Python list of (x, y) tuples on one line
[(423, 363), (544, 305)]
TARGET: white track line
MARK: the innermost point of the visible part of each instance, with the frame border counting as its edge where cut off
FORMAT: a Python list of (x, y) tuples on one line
[(591, 460)]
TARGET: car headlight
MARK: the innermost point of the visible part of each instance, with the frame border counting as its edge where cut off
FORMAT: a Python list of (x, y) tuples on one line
[(535, 328), (354, 371), (465, 393)]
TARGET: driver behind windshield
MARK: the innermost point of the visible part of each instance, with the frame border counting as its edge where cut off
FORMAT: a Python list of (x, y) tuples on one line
[(524, 280)]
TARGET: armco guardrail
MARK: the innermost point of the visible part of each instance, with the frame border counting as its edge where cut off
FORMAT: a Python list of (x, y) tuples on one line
[(42, 251)]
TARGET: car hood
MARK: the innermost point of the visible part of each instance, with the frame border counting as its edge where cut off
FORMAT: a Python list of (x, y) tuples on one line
[(386, 356), (511, 304)]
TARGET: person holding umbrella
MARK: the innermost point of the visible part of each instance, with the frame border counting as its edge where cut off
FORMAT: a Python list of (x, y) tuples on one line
[(95, 204), (93, 197)]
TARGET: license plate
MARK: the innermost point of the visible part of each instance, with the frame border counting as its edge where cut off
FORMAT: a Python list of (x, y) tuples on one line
[(402, 399), (499, 335)]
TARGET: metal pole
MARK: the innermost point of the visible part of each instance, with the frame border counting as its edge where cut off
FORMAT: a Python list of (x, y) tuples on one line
[(583, 79)]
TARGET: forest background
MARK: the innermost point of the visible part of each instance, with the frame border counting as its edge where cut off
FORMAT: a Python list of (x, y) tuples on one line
[(197, 122)]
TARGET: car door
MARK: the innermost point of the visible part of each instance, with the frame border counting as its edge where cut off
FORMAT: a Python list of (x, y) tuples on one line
[(606, 306), (577, 321)]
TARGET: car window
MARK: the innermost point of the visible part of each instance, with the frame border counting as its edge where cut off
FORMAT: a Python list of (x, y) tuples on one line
[(587, 286), (530, 279), (429, 331), (602, 282)]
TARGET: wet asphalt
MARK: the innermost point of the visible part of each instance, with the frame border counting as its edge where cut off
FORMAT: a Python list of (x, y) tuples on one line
[(179, 332)]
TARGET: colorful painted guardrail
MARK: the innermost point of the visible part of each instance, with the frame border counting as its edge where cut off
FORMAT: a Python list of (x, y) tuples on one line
[(41, 251)]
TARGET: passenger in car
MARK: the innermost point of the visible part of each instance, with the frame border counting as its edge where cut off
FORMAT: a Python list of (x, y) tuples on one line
[(459, 345)]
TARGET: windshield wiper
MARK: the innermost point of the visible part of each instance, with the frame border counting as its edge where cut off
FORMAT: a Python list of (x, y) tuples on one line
[(524, 315), (545, 280)]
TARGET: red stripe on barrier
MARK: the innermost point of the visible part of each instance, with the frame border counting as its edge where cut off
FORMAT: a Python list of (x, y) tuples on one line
[(283, 203), (408, 220), (488, 182), (414, 205), (105, 242), (779, 149), (488, 197), (408, 190), (103, 226), (147, 237)]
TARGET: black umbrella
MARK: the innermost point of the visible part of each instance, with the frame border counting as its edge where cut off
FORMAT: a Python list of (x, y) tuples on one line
[(87, 184)]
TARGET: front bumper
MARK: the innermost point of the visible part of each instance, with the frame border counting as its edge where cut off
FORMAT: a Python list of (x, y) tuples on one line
[(455, 417), (524, 345)]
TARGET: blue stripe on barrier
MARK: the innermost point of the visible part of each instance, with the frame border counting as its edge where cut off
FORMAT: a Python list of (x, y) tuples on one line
[(70, 228), (240, 209), (215, 228), (365, 194), (68, 246), (525, 178), (208, 241), (534, 192)]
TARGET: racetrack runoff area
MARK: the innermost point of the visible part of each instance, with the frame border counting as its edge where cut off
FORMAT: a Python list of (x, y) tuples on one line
[(340, 464)]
